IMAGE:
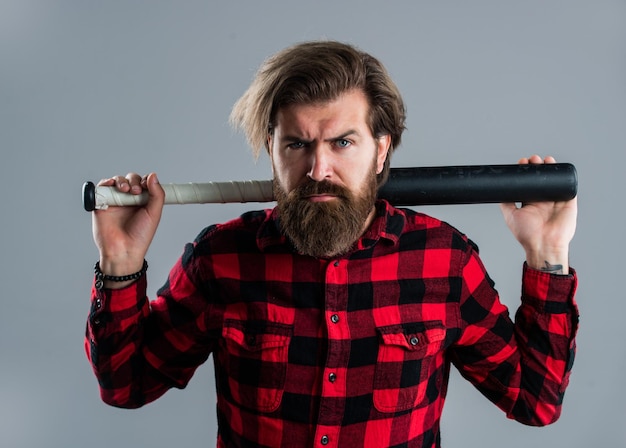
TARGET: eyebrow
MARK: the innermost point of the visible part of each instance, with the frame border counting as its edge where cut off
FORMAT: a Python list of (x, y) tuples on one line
[(344, 135), (293, 138)]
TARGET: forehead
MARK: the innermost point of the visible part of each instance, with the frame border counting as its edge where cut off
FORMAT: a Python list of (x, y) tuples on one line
[(351, 109)]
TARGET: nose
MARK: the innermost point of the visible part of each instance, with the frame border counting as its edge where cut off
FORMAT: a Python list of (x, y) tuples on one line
[(320, 164)]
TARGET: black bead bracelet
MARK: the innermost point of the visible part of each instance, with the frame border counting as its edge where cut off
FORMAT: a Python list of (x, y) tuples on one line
[(101, 277)]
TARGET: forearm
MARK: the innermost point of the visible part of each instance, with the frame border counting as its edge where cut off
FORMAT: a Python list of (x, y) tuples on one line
[(523, 367), (545, 330), (135, 346), (114, 341)]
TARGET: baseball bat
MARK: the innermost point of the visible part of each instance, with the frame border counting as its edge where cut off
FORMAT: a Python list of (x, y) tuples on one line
[(437, 185)]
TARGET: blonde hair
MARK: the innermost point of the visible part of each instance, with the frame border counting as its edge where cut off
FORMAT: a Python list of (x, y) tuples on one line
[(313, 72)]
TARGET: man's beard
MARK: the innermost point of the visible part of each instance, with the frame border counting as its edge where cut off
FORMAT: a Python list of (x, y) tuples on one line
[(329, 228)]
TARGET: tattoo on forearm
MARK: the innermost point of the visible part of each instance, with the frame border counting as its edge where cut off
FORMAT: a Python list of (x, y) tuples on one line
[(553, 268)]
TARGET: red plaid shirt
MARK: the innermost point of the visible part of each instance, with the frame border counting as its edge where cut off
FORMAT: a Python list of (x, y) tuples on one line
[(347, 352)]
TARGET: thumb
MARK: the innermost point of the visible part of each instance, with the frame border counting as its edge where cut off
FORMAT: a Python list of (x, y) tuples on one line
[(507, 209), (156, 195)]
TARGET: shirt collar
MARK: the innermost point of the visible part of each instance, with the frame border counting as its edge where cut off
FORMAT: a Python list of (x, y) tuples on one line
[(387, 225)]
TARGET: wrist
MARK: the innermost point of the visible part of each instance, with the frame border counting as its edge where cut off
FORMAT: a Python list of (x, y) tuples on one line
[(554, 262), (120, 265), (104, 279)]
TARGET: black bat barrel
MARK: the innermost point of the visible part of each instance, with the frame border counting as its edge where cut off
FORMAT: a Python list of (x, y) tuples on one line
[(475, 184)]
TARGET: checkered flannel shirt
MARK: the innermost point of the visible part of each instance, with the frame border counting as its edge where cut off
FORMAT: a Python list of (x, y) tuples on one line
[(346, 352)]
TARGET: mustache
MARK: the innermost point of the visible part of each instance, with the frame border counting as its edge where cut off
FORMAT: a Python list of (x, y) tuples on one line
[(311, 187)]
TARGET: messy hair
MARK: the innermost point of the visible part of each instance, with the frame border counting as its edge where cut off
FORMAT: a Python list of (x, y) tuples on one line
[(318, 72)]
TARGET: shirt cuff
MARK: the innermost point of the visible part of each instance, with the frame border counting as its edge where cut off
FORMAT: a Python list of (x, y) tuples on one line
[(549, 293), (119, 302)]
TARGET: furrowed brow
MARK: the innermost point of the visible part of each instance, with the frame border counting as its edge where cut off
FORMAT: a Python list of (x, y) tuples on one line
[(293, 138), (351, 132)]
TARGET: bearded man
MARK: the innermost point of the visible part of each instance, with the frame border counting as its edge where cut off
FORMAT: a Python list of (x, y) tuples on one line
[(334, 318)]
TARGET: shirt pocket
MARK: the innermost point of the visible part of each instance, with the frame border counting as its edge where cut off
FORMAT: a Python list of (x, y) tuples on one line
[(407, 357), (255, 362)]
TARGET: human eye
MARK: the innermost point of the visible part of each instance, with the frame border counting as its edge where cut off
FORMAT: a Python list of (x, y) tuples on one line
[(342, 143), (295, 145)]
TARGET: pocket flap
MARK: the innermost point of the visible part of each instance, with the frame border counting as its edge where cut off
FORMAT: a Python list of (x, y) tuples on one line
[(412, 336), (253, 335)]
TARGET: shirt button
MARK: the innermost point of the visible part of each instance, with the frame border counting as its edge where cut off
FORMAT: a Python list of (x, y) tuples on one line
[(336, 263), (98, 303), (334, 318), (332, 377), (324, 440), (414, 340)]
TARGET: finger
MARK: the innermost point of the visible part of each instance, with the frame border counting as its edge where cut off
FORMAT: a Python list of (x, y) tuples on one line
[(134, 180), (549, 159), (144, 181), (106, 182), (119, 182), (129, 183), (535, 158)]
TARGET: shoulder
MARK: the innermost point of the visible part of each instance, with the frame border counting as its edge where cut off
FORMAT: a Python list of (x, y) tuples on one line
[(434, 232), (236, 230)]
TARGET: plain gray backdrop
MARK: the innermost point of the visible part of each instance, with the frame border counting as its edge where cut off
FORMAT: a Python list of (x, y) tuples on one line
[(89, 89)]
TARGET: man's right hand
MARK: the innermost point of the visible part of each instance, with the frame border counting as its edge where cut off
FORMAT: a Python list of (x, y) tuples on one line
[(123, 234)]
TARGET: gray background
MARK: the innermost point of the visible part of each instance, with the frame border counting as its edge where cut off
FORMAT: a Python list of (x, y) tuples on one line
[(90, 89)]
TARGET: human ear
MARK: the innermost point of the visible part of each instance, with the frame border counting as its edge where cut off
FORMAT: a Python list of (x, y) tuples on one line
[(383, 145), (270, 150)]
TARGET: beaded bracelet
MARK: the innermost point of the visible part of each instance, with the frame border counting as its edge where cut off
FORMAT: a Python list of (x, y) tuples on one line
[(101, 277)]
